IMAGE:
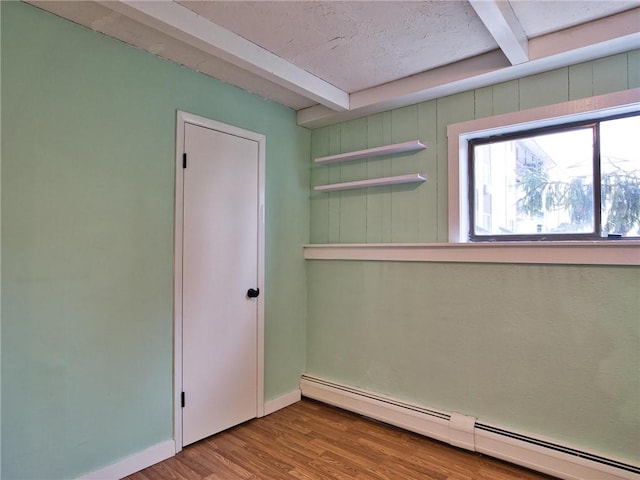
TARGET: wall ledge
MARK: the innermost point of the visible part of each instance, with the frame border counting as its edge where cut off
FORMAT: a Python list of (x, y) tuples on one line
[(605, 252)]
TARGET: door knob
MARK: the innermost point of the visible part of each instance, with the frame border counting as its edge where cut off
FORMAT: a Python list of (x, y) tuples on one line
[(251, 293)]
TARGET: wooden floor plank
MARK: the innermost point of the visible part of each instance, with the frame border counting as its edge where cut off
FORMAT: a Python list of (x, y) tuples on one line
[(313, 441)]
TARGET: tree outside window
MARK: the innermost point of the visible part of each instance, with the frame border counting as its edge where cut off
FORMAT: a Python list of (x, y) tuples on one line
[(565, 182)]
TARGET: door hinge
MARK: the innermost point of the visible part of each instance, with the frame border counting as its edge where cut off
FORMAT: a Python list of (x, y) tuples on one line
[(182, 399), (184, 160)]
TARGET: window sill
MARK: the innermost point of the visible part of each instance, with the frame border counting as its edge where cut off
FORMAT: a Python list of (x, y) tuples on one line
[(606, 252)]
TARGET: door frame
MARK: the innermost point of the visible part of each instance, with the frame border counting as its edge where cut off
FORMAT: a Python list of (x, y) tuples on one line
[(183, 118)]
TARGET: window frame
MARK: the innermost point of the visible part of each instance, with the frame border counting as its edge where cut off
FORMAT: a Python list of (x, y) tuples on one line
[(594, 126), (577, 111)]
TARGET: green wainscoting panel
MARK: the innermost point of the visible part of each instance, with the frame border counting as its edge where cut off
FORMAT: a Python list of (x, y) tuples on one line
[(609, 74), (376, 196), (334, 177), (483, 102), (88, 155), (544, 89), (319, 203), (418, 213), (549, 350), (633, 69), (404, 204), (506, 97), (580, 81), (427, 201), (380, 208), (353, 203), (452, 109)]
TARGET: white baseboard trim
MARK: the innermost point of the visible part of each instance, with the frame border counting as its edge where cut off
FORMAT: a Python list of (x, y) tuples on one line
[(430, 423), (544, 455), (162, 451), (282, 402), (134, 463), (543, 458)]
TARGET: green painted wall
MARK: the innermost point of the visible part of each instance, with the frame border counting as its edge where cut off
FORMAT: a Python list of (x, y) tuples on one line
[(551, 350), (87, 248), (87, 241)]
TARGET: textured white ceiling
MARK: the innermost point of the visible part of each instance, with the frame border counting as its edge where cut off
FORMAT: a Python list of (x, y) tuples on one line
[(356, 45)]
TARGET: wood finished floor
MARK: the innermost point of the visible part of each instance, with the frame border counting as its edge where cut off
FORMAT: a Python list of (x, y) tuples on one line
[(311, 440)]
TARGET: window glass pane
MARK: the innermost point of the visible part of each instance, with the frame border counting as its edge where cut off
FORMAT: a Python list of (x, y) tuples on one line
[(541, 184), (620, 173)]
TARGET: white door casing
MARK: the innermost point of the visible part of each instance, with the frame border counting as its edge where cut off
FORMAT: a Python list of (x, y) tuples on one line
[(219, 255)]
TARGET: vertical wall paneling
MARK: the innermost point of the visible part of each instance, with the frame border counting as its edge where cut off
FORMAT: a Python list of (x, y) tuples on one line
[(387, 192), (452, 109), (428, 222), (410, 213), (353, 203), (319, 201), (483, 102), (506, 97), (375, 169), (580, 81), (608, 74), (404, 205), (633, 69), (544, 89), (334, 177)]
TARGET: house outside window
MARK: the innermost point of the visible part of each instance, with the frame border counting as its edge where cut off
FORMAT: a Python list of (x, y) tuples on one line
[(576, 181)]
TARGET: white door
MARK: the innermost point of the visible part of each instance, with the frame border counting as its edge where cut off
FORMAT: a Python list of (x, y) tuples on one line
[(219, 266)]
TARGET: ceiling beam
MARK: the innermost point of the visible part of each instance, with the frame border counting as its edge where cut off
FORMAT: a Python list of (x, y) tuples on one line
[(185, 25), (504, 26), (597, 39)]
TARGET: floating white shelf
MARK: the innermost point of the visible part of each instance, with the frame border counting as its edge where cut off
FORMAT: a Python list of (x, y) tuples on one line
[(372, 182), (412, 146)]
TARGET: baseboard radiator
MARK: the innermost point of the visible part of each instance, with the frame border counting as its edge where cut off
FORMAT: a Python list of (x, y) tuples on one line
[(467, 432)]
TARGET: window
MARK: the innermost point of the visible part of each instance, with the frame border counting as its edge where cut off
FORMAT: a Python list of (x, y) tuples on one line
[(520, 135), (564, 182)]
